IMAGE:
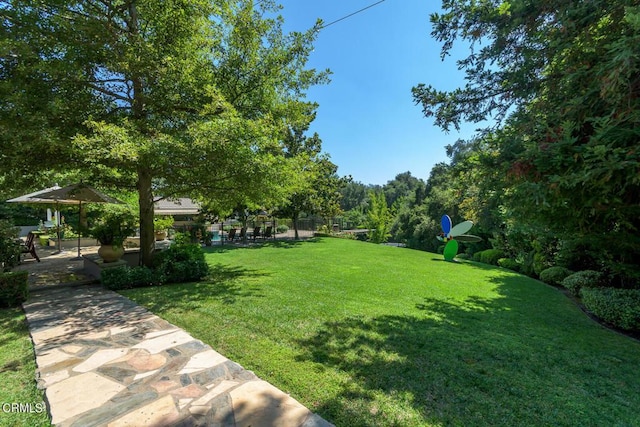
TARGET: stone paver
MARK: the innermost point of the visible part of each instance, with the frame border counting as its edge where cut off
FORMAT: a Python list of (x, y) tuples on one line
[(104, 361)]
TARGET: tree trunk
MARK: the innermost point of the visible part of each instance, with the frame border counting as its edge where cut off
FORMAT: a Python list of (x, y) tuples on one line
[(147, 236), (295, 226)]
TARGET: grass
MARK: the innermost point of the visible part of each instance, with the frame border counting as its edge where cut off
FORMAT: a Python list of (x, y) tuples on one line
[(369, 335), (17, 373)]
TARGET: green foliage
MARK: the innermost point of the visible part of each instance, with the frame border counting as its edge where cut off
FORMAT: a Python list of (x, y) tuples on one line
[(162, 223), (13, 288), (151, 94), (318, 189), (282, 228), (488, 256), (618, 307), (114, 225), (509, 263), (563, 155), (9, 246), (378, 218), (583, 279), (116, 278), (128, 277), (181, 263), (20, 214), (354, 196), (555, 275)]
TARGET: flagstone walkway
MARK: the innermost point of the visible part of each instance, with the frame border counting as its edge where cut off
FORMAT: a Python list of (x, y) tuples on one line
[(105, 361)]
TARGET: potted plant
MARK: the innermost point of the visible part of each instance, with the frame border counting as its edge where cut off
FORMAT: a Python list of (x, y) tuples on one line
[(208, 238), (111, 230), (160, 226)]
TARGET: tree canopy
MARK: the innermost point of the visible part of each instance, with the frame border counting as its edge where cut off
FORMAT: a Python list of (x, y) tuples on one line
[(167, 98), (559, 84)]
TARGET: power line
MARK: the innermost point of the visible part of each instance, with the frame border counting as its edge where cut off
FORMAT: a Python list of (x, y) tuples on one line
[(351, 14)]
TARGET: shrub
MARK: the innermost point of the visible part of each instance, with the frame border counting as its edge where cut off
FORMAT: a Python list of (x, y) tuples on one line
[(13, 288), (115, 278), (282, 229), (509, 263), (555, 275), (9, 246), (140, 276), (619, 307), (582, 279), (488, 256), (181, 263), (463, 256), (128, 277)]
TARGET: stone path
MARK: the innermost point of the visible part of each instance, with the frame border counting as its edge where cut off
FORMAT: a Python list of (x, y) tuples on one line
[(105, 361)]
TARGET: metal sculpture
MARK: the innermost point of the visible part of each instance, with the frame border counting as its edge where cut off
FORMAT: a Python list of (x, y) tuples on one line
[(452, 235)]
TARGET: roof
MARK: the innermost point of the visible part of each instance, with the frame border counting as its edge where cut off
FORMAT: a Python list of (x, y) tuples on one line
[(181, 206)]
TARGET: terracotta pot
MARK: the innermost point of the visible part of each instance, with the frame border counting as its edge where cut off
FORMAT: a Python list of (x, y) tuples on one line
[(161, 235), (110, 253)]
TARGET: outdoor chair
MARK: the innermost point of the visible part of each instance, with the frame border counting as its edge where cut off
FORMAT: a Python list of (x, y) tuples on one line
[(30, 246), (268, 233), (256, 233), (243, 233), (231, 235)]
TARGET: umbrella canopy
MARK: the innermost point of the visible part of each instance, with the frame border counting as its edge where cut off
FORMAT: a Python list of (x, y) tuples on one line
[(76, 194), (34, 197)]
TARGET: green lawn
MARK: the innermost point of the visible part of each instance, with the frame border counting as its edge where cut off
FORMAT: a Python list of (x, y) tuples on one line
[(18, 373), (371, 335)]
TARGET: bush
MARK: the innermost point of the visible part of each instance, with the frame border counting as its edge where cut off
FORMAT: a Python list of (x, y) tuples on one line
[(181, 263), (9, 246), (488, 256), (282, 229), (509, 263), (115, 278), (555, 275), (463, 256), (13, 288), (128, 277), (619, 307), (582, 279)]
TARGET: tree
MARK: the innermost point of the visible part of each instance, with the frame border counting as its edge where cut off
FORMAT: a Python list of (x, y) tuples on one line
[(378, 218), (561, 79), (170, 98), (403, 185), (354, 195), (319, 190)]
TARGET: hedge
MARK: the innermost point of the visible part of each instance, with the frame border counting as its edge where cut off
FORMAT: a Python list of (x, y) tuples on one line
[(619, 307), (509, 263), (488, 256), (179, 263), (555, 275), (13, 288), (582, 279)]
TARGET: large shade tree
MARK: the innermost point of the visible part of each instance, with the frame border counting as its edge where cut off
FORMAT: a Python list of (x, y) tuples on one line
[(168, 98)]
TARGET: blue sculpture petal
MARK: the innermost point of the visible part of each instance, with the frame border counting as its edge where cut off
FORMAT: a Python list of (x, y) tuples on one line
[(446, 224)]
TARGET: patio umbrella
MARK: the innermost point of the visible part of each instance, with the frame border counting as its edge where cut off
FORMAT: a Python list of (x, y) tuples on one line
[(34, 198), (75, 194)]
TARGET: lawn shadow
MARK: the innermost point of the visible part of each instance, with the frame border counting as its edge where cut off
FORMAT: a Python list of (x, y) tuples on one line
[(502, 361), (224, 283), (280, 244)]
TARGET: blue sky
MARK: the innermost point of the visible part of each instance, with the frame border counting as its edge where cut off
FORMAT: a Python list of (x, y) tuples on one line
[(367, 119)]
